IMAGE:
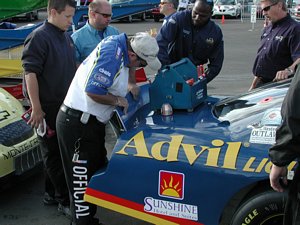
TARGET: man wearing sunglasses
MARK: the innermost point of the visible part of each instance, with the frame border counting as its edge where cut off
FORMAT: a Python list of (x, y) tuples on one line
[(191, 33), (280, 45), (168, 8), (96, 29), (99, 86)]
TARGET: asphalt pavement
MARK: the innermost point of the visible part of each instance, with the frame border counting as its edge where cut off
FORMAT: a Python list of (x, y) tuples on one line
[(22, 203)]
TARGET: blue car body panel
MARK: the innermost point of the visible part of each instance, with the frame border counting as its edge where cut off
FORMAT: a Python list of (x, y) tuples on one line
[(185, 168)]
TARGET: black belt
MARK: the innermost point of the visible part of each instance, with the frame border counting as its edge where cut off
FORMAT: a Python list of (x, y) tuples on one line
[(77, 113), (70, 111)]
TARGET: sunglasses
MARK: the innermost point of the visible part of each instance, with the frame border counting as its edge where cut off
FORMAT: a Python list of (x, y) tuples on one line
[(267, 8), (104, 14)]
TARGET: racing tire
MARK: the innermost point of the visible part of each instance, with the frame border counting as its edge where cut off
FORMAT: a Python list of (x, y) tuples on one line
[(266, 208)]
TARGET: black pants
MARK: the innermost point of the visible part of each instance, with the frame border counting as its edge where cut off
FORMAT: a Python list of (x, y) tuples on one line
[(292, 208), (49, 187), (90, 140), (51, 157)]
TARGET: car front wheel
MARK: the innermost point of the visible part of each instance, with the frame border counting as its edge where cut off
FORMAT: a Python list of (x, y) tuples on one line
[(266, 208)]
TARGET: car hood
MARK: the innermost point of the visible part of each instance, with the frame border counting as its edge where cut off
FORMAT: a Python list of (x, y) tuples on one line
[(208, 149)]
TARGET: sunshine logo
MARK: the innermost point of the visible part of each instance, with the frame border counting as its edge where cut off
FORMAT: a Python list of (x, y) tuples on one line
[(171, 184)]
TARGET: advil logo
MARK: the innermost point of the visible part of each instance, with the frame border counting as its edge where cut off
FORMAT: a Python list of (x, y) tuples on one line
[(171, 184)]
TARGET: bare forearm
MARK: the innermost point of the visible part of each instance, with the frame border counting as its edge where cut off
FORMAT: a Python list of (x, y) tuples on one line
[(110, 99), (33, 90)]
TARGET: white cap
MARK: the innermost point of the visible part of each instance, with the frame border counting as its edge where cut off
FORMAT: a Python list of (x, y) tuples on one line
[(146, 48)]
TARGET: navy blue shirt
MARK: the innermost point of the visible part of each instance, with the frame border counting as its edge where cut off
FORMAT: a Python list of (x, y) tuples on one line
[(50, 53), (280, 47), (179, 38)]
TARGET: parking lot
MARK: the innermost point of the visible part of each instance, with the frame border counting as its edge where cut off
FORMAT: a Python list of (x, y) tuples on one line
[(22, 204)]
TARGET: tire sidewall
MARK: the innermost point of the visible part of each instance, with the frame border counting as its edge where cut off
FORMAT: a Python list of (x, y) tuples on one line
[(259, 208)]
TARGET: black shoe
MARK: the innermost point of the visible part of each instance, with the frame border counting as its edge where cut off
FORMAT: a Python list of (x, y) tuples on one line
[(65, 209), (49, 200)]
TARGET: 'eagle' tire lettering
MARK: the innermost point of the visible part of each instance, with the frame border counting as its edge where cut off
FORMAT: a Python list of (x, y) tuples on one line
[(263, 208)]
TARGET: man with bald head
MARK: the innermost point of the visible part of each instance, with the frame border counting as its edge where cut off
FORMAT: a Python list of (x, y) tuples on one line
[(96, 29), (192, 34)]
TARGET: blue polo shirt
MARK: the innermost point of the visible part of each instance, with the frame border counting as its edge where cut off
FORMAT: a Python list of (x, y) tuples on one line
[(179, 38), (280, 47), (87, 38), (166, 18)]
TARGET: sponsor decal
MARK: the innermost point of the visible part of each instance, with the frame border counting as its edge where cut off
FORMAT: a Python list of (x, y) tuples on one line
[(4, 115), (199, 94), (263, 135), (271, 117), (118, 54), (219, 154), (96, 84), (171, 184), (279, 38), (105, 72), (101, 78), (20, 149), (168, 208), (186, 31), (210, 41)]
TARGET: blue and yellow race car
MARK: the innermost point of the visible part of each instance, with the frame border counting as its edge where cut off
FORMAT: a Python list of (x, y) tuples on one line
[(204, 164)]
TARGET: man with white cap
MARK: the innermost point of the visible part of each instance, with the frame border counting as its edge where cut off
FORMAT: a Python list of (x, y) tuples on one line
[(100, 84)]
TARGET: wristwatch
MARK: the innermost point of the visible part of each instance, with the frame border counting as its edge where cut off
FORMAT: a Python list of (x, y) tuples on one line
[(290, 70)]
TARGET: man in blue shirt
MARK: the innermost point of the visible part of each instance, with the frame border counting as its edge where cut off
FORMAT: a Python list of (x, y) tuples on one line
[(168, 8), (96, 29), (192, 34), (280, 45)]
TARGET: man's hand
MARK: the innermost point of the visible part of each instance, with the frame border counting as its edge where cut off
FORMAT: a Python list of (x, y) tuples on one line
[(278, 173), (122, 102), (134, 90), (37, 116), (254, 82), (283, 74)]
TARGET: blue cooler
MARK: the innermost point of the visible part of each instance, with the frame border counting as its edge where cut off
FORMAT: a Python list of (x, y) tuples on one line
[(178, 85)]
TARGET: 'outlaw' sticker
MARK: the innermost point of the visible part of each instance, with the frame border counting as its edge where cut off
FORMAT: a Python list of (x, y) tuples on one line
[(263, 135)]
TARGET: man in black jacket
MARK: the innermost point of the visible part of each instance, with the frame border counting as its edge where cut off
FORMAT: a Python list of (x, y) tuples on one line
[(49, 66), (286, 149)]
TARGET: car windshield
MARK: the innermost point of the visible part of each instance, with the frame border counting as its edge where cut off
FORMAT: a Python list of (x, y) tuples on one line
[(226, 2), (249, 106)]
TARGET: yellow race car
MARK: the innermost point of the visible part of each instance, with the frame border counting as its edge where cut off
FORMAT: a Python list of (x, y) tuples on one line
[(19, 148)]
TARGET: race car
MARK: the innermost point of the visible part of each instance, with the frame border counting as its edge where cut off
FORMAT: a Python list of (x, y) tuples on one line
[(203, 164), (19, 148), (230, 8)]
